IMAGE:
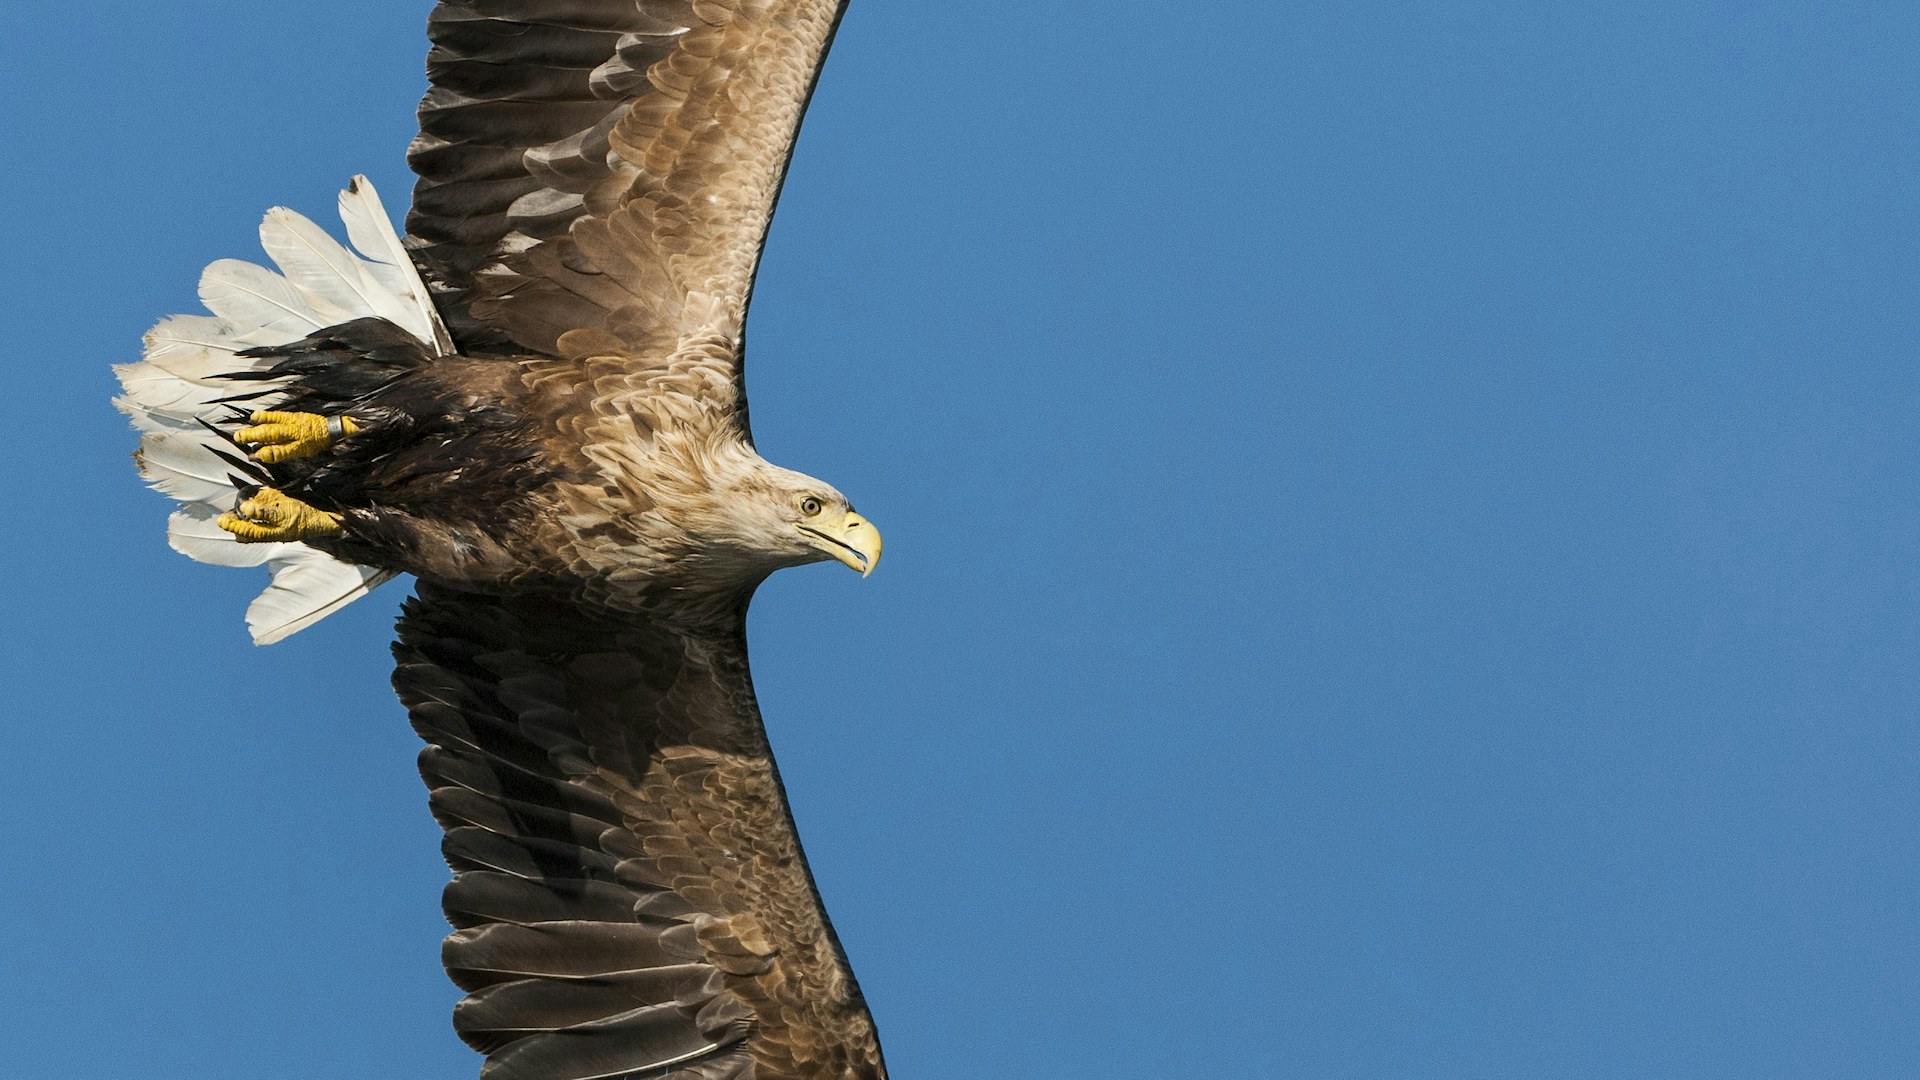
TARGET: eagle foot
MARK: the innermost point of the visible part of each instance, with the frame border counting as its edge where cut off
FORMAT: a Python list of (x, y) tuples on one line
[(284, 436), (270, 516)]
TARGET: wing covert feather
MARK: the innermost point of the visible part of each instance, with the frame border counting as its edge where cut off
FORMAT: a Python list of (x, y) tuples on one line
[(629, 896), (606, 166)]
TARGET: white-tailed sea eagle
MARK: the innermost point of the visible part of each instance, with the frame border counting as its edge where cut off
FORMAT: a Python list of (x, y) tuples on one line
[(534, 403)]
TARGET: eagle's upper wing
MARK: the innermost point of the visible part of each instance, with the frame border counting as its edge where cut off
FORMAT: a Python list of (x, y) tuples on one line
[(629, 896), (597, 176)]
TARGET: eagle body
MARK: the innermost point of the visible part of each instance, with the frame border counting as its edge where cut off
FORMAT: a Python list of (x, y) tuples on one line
[(533, 402), (623, 487)]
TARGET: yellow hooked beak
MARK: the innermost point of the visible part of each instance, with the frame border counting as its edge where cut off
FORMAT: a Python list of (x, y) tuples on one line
[(854, 541)]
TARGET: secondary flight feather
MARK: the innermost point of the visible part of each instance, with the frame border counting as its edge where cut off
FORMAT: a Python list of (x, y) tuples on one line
[(534, 403)]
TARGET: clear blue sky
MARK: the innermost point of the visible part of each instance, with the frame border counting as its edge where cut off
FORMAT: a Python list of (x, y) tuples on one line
[(1402, 547)]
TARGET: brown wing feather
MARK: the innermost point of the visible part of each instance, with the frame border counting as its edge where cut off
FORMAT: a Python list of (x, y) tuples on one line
[(597, 176), (629, 894)]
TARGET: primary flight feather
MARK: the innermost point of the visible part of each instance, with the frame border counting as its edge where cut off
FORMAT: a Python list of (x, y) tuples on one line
[(534, 403)]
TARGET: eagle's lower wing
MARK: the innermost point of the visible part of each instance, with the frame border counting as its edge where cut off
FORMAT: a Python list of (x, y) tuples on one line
[(629, 897), (597, 176)]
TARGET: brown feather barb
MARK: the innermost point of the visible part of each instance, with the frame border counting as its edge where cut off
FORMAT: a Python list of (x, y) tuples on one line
[(629, 890), (557, 448), (637, 146)]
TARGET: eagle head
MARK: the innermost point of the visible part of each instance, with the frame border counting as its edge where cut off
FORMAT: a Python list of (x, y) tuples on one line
[(750, 517), (797, 519)]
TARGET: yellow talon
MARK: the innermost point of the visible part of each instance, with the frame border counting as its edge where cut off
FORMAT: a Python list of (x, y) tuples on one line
[(283, 436), (269, 516)]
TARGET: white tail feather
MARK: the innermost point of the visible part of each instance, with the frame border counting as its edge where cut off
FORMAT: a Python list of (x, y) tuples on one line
[(307, 586), (253, 295), (179, 464), (369, 229), (336, 282), (178, 383), (190, 333)]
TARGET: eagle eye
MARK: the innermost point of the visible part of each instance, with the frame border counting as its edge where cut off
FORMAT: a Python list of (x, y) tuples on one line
[(809, 505)]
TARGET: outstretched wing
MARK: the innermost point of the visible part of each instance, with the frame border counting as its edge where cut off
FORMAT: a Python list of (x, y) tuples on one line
[(629, 897), (597, 176)]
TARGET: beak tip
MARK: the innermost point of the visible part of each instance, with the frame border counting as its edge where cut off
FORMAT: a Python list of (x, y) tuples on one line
[(856, 545)]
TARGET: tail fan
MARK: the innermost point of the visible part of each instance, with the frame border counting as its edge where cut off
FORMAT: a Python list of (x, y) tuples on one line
[(183, 387)]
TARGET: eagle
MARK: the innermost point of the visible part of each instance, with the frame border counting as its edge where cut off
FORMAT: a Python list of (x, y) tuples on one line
[(534, 404)]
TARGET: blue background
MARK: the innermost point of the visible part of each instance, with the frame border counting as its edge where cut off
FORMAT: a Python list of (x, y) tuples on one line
[(1401, 535)]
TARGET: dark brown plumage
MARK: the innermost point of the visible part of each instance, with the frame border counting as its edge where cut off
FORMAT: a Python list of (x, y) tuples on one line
[(643, 141), (629, 891), (558, 449)]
